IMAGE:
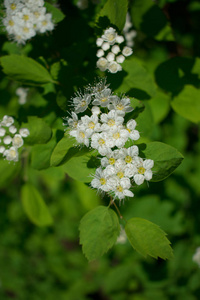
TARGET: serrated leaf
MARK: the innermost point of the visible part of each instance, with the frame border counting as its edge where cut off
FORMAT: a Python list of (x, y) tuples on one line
[(34, 206), (40, 132), (25, 69), (166, 159), (116, 11), (99, 230), (149, 18), (148, 239), (187, 103), (57, 14)]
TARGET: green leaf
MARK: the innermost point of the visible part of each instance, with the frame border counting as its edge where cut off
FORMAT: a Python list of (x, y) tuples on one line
[(88, 197), (25, 70), (148, 239), (160, 106), (35, 206), (82, 167), (138, 82), (57, 14), (99, 230), (166, 159), (65, 150), (40, 132), (8, 171), (116, 11), (149, 18), (187, 103)]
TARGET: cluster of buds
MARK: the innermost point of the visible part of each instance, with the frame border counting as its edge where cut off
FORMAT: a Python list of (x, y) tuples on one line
[(25, 18), (22, 94), (102, 127), (10, 140), (110, 54)]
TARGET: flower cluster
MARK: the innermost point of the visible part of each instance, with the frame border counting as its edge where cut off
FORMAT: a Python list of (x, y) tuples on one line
[(25, 18), (10, 140), (110, 54), (106, 131), (83, 4), (128, 32), (22, 94)]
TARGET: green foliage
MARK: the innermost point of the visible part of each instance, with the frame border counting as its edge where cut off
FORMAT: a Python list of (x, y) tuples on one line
[(25, 69), (57, 15), (149, 18), (99, 229), (166, 159), (116, 11), (148, 239), (34, 206), (40, 132), (182, 103)]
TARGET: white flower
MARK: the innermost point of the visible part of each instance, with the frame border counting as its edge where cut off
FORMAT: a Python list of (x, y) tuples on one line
[(129, 154), (119, 39), (118, 136), (2, 149), (120, 59), (196, 256), (111, 120), (121, 105), (11, 154), (12, 129), (22, 93), (99, 42), (95, 110), (7, 121), (90, 124), (82, 4), (127, 51), (2, 131), (100, 53), (7, 140), (110, 57), (81, 135), (105, 46), (115, 49), (101, 142), (45, 24), (81, 103), (122, 189), (110, 158), (143, 170), (109, 35), (114, 67), (103, 98), (102, 64), (101, 181), (24, 132), (17, 141), (133, 134), (73, 122)]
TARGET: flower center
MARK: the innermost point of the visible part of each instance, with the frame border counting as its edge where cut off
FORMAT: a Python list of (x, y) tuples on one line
[(102, 181), (26, 17), (44, 23), (116, 135), (82, 134), (111, 161), (141, 170), (101, 142), (25, 29), (91, 125), (120, 174), (36, 14), (11, 23), (128, 159), (13, 6), (12, 153), (83, 103), (104, 99), (111, 37), (120, 189), (75, 123), (111, 122), (120, 106)]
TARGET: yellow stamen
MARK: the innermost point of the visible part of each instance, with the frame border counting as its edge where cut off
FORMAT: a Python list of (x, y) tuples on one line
[(120, 106), (120, 189), (141, 170), (26, 17), (11, 23), (116, 135), (120, 174), (111, 122), (104, 99), (128, 159), (101, 142), (44, 23), (102, 181), (91, 125), (111, 161), (13, 6), (82, 134)]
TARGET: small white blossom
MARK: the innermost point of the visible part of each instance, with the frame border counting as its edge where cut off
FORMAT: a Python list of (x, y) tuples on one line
[(95, 110), (143, 170), (121, 105), (2, 149), (7, 140), (100, 53), (81, 135), (11, 154), (101, 142), (17, 141), (115, 49), (111, 120), (114, 67), (120, 59), (24, 132), (2, 131), (101, 181), (127, 51), (110, 57), (109, 35), (12, 129), (105, 46), (119, 39), (81, 103), (102, 63), (103, 98), (99, 42), (7, 121)]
